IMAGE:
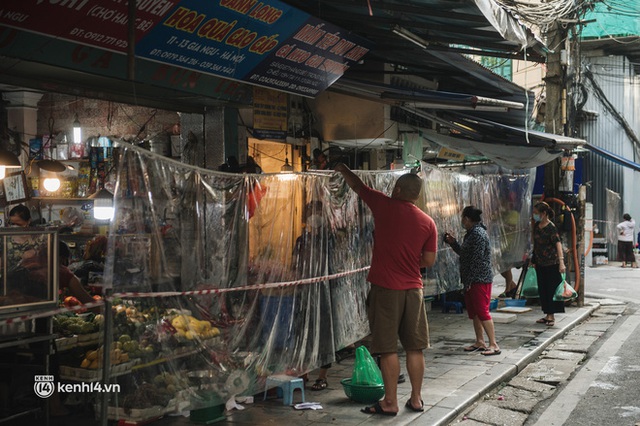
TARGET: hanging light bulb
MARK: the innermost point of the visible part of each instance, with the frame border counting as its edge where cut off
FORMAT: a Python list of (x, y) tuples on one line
[(77, 130), (286, 167), (51, 184), (103, 205), (8, 160), (49, 170)]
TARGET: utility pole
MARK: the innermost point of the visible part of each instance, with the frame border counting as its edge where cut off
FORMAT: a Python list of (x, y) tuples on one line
[(557, 80), (555, 116)]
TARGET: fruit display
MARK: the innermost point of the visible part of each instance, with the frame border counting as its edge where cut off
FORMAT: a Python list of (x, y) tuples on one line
[(189, 328), (71, 301), (68, 325), (145, 333), (93, 358), (153, 355)]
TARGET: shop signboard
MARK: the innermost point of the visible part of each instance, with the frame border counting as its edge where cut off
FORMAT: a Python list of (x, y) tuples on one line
[(27, 46), (97, 23), (269, 114), (265, 43)]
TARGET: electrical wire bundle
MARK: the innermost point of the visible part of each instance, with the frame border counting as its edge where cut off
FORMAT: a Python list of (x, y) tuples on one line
[(543, 15)]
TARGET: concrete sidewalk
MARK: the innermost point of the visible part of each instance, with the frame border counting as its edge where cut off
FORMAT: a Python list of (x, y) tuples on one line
[(453, 379)]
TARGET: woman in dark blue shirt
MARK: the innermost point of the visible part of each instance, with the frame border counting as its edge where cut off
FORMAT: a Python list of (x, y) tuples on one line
[(476, 275)]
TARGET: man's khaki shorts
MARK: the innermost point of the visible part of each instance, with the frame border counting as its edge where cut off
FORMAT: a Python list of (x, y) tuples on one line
[(397, 314)]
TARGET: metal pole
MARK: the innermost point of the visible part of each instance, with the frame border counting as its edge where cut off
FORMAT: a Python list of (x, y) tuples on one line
[(106, 356), (131, 40), (582, 198)]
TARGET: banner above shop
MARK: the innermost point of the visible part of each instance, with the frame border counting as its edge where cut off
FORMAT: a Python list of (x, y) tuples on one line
[(266, 43)]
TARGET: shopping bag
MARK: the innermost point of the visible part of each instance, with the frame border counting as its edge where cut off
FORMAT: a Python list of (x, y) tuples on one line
[(564, 291), (365, 369), (530, 285)]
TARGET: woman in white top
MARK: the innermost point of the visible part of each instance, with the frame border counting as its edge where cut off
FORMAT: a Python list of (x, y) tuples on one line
[(625, 241)]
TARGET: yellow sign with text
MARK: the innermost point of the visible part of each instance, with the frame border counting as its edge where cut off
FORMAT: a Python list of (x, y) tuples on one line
[(450, 154)]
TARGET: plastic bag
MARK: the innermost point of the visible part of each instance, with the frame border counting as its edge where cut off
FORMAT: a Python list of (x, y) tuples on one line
[(564, 291), (365, 369), (530, 285)]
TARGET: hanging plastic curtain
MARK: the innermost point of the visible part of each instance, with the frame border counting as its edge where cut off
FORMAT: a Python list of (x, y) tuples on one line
[(220, 280)]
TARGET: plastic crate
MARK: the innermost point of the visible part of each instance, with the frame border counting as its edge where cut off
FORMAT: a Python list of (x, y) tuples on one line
[(366, 394), (515, 302), (493, 305)]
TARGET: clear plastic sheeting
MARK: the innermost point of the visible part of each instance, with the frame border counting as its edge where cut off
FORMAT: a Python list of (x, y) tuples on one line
[(508, 25), (220, 280), (505, 200), (614, 217)]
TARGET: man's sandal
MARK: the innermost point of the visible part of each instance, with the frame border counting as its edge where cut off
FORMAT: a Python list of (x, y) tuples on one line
[(320, 384)]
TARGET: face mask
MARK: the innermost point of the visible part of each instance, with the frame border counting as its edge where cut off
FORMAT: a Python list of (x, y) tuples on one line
[(536, 217), (314, 221)]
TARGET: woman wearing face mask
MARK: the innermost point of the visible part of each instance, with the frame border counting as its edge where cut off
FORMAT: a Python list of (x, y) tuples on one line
[(548, 260), (477, 277)]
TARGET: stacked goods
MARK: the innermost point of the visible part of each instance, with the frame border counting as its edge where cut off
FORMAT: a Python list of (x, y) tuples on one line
[(93, 358), (170, 383), (145, 396)]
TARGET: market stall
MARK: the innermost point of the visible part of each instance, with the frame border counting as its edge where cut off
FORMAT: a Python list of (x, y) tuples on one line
[(226, 279), (215, 281)]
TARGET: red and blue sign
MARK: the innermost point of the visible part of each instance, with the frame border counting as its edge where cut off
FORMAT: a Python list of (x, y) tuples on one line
[(265, 43)]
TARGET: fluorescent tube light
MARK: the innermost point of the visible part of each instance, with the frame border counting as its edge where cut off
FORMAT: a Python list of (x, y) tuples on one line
[(408, 35)]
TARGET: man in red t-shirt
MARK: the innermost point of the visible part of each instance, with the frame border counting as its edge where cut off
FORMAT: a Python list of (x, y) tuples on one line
[(405, 239)]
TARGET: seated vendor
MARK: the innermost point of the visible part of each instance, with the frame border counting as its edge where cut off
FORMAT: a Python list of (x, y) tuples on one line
[(21, 247), (22, 250), (69, 283), (33, 276), (92, 260)]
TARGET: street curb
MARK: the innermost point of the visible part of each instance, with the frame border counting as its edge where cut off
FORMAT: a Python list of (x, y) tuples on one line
[(503, 375)]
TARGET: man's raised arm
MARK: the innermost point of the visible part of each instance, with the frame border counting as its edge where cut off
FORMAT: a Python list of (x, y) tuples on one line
[(352, 180)]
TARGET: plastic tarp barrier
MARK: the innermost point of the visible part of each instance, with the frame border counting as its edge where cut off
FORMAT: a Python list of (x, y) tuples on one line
[(509, 27), (614, 217), (221, 280)]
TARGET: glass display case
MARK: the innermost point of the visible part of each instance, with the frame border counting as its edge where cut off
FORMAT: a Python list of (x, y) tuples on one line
[(28, 270)]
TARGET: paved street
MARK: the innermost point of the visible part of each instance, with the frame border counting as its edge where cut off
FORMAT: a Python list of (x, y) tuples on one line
[(603, 389)]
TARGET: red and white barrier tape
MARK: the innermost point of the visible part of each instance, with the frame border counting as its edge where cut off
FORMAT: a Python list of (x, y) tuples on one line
[(130, 295), (242, 288)]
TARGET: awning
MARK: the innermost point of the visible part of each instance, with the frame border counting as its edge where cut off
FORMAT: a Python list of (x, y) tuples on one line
[(508, 146), (493, 132), (421, 98), (613, 157), (521, 157)]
